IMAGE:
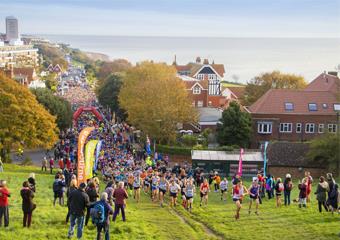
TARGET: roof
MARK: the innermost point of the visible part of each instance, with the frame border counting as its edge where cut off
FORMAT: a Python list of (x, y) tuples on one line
[(273, 102), (24, 71), (202, 83), (237, 91), (207, 114), (324, 82), (225, 156), (289, 154), (193, 68)]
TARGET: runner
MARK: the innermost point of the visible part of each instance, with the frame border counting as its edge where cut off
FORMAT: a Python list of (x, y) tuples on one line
[(163, 186), (254, 194), (136, 187), (224, 189), (204, 191), (189, 194), (238, 193), (154, 186), (174, 188)]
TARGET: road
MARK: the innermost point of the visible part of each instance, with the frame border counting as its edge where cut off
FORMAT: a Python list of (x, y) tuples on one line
[(36, 155)]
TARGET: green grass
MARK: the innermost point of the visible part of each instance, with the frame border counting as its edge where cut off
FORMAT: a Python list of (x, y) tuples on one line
[(147, 220)]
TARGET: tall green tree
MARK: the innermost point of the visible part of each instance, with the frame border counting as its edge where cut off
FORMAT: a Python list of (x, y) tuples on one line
[(272, 80), (235, 128), (108, 92), (325, 150), (56, 105), (23, 121)]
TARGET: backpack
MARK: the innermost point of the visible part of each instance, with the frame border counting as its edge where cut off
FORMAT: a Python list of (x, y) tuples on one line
[(97, 213), (281, 187), (56, 186)]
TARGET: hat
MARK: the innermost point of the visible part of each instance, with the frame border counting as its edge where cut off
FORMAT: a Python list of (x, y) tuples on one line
[(82, 186), (255, 179), (288, 175)]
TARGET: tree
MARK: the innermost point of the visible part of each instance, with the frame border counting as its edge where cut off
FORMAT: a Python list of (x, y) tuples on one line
[(325, 150), (258, 86), (51, 82), (56, 105), (235, 128), (23, 121), (155, 100), (107, 68), (51, 55), (107, 94)]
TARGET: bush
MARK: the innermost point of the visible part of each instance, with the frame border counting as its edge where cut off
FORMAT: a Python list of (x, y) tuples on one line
[(189, 140), (27, 161), (226, 148), (165, 149), (198, 147)]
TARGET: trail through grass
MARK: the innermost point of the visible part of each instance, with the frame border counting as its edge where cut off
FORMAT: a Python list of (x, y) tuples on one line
[(148, 220)]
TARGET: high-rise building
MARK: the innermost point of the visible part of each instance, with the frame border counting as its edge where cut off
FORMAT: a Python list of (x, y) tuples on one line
[(12, 31)]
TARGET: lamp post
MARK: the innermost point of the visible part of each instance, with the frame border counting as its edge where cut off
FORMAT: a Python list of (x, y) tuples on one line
[(337, 110), (159, 140)]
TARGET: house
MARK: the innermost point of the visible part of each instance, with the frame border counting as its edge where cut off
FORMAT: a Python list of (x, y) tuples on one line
[(56, 68), (208, 76), (232, 94), (24, 75), (296, 115)]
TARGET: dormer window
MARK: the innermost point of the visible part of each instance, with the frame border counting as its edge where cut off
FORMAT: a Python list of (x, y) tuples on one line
[(212, 76), (289, 106), (312, 107), (196, 90)]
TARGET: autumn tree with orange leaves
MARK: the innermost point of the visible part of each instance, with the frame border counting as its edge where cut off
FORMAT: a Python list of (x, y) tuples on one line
[(156, 100)]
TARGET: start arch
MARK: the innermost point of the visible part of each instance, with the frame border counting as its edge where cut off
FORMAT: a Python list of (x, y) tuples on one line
[(86, 109)]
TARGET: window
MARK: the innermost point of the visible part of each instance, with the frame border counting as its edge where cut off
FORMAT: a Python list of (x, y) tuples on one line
[(289, 106), (200, 76), (321, 128), (286, 127), (298, 127), (264, 127), (212, 76), (324, 106), (310, 128), (196, 90), (332, 128), (200, 104), (312, 107)]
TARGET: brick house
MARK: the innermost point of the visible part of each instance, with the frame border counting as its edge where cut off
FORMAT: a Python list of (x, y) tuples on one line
[(296, 115), (203, 77)]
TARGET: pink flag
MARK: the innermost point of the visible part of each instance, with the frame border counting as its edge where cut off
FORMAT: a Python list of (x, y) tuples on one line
[(240, 162)]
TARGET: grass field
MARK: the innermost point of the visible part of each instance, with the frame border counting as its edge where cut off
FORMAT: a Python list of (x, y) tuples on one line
[(147, 220)]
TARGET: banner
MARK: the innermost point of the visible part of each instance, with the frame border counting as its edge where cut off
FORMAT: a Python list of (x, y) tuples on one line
[(89, 158), (265, 158), (81, 161), (99, 146), (240, 162)]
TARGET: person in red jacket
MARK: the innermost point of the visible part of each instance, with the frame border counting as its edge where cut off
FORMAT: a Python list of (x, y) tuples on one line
[(61, 163), (4, 194), (120, 195)]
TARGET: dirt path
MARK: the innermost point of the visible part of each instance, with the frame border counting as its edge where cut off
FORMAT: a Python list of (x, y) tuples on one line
[(209, 232)]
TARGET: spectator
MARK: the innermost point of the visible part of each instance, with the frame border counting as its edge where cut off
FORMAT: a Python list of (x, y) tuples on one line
[(100, 216), (93, 195), (321, 191), (58, 185), (28, 206), (31, 181), (4, 211), (288, 186), (51, 165), (71, 188), (44, 164), (303, 193), (78, 201), (120, 195)]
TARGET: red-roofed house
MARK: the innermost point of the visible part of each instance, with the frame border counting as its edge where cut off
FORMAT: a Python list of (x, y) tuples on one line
[(211, 75), (296, 115)]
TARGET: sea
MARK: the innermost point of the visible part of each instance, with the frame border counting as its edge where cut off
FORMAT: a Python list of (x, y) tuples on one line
[(243, 58)]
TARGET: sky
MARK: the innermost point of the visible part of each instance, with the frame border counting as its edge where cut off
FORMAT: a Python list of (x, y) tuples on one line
[(192, 18)]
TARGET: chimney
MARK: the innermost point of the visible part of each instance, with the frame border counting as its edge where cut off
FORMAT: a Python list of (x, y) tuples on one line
[(198, 60), (333, 73), (175, 61), (206, 61)]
